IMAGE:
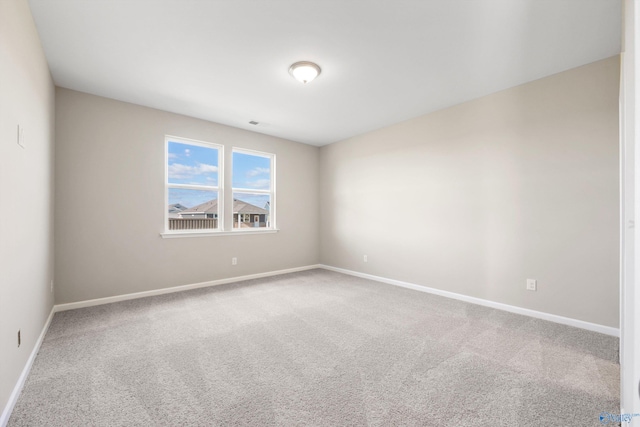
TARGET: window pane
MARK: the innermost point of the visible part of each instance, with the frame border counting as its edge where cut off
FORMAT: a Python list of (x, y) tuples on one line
[(192, 164), (251, 172), (251, 210), (192, 209)]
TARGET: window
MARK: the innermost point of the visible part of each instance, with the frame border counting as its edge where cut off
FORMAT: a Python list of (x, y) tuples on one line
[(195, 190), (193, 184), (253, 189)]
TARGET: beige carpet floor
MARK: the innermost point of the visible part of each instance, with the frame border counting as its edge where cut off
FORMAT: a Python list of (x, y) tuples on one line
[(315, 348)]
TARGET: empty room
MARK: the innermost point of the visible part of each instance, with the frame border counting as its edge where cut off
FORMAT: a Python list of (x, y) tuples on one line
[(319, 213)]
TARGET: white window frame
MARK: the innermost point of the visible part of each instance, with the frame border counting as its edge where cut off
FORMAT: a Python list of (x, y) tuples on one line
[(225, 211), (218, 188), (271, 191)]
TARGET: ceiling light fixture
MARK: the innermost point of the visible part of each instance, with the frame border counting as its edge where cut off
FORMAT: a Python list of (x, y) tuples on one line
[(304, 71)]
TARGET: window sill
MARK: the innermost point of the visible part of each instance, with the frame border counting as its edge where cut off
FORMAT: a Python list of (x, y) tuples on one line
[(177, 235)]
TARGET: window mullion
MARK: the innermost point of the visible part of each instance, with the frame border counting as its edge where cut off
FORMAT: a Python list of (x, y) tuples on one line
[(249, 191), (193, 187)]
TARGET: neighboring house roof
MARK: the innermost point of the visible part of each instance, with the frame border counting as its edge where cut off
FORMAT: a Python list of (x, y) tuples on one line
[(177, 208), (247, 208), (207, 207), (239, 206)]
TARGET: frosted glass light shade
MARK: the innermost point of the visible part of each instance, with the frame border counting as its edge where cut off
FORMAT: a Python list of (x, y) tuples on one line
[(304, 71)]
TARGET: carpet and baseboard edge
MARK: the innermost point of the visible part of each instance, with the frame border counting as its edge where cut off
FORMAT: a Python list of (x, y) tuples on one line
[(6, 414), (13, 398), (594, 327), (136, 295)]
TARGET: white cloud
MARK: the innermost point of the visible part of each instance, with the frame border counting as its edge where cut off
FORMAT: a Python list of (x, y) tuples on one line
[(172, 155), (187, 152), (258, 171), (204, 168), (180, 171), (262, 184)]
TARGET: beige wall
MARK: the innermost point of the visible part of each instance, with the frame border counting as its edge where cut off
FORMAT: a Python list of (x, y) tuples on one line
[(110, 203), (473, 199), (26, 191), (479, 197)]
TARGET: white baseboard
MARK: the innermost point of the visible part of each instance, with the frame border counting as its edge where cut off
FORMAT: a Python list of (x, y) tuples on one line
[(6, 413), (607, 330), (108, 300)]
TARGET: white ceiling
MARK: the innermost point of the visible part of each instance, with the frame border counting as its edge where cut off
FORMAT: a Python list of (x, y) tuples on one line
[(383, 61)]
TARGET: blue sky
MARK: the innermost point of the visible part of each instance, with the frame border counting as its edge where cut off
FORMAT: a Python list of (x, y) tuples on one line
[(192, 164), (251, 172)]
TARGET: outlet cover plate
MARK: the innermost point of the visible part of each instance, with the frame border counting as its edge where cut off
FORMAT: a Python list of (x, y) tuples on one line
[(532, 285)]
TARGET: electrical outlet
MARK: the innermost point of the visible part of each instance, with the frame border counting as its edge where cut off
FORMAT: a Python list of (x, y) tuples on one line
[(532, 285), (51, 285), (365, 259), (19, 339), (234, 261)]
